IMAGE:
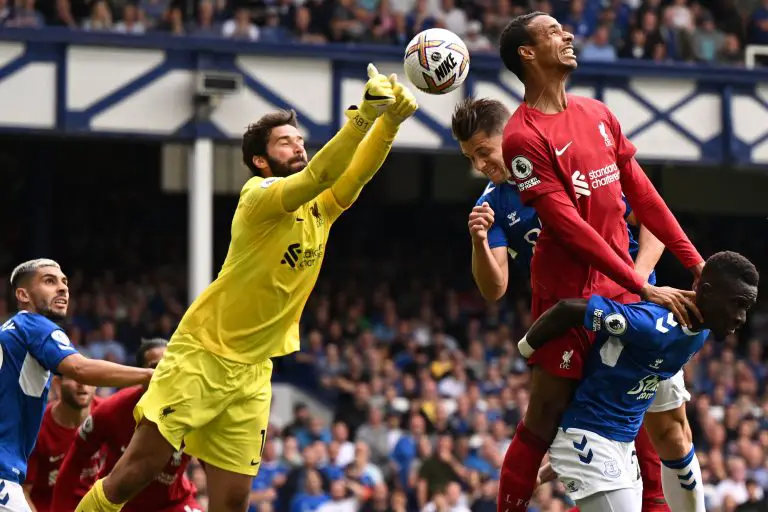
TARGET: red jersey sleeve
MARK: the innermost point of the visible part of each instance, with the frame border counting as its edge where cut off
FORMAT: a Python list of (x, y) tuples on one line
[(88, 441), (649, 207), (558, 213), (529, 159)]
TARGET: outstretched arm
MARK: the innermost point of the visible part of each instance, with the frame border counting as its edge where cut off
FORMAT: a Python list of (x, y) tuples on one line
[(288, 194), (648, 205), (375, 147), (94, 372), (652, 212)]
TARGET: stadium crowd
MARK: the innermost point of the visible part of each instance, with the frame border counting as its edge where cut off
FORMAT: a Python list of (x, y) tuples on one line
[(425, 383), (709, 31)]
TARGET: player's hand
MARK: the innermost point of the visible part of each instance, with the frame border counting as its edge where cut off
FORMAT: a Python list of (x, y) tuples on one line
[(546, 474), (679, 302), (378, 96), (480, 221), (696, 271), (405, 102)]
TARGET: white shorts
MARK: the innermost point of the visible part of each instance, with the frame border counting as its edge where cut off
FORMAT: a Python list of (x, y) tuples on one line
[(671, 394), (587, 463), (12, 497)]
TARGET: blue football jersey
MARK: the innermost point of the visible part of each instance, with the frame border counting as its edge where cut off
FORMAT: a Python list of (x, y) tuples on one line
[(517, 227), (31, 347), (637, 346)]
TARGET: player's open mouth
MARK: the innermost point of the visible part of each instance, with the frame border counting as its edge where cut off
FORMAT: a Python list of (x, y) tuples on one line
[(60, 302), (568, 51)]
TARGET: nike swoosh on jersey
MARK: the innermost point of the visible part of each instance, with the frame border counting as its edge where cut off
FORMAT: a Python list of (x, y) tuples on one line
[(559, 152)]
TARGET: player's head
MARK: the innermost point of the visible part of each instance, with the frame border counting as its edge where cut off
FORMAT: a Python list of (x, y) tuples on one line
[(725, 292), (273, 145), (478, 125), (73, 394), (150, 352), (536, 44), (41, 287)]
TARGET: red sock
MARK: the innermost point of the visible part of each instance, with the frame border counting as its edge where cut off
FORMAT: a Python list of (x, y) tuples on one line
[(520, 469), (650, 470)]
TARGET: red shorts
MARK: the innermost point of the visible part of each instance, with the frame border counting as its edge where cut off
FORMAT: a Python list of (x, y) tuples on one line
[(564, 356)]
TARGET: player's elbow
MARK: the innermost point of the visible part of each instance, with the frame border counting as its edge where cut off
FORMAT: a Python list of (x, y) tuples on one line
[(492, 292), (569, 311), (77, 368)]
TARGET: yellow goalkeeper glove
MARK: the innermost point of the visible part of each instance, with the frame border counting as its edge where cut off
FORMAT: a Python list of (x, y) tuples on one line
[(377, 98), (405, 103)]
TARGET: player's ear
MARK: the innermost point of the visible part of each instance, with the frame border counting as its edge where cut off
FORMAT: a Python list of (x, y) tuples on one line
[(526, 53), (261, 163), (22, 295)]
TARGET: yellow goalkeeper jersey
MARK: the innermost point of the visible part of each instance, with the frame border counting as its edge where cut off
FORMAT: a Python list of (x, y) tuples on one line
[(251, 311)]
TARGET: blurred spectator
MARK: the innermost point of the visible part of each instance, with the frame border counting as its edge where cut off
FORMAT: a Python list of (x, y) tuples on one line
[(599, 48), (131, 22), (454, 18), (205, 25), (272, 31), (758, 29), (5, 15), (707, 41), (731, 52), (25, 15), (475, 40), (101, 17), (636, 47), (581, 22), (105, 345), (240, 27)]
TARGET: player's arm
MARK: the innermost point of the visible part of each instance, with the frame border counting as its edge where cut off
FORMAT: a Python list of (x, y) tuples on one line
[(531, 165), (649, 252), (89, 439), (56, 353), (632, 322), (650, 209), (490, 266), (288, 194), (650, 248), (374, 149), (542, 190), (94, 372), (27, 488)]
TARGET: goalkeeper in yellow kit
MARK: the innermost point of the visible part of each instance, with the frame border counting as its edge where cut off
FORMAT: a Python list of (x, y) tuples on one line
[(211, 393)]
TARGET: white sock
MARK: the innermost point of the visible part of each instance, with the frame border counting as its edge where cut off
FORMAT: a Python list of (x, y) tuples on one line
[(682, 483)]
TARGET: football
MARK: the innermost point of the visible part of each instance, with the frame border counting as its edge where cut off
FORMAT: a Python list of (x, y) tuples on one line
[(436, 61)]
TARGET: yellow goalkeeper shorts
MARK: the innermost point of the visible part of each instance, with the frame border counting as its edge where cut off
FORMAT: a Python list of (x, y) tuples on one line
[(218, 409)]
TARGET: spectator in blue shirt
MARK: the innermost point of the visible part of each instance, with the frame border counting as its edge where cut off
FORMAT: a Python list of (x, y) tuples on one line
[(313, 495)]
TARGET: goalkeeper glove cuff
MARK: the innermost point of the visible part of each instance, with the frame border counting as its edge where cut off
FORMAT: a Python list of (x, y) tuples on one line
[(358, 119)]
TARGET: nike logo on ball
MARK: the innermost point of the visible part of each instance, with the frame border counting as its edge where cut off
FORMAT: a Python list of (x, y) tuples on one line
[(559, 152)]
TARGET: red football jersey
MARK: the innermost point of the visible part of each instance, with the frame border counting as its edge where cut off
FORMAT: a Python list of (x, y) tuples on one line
[(111, 426), (580, 152), (52, 445)]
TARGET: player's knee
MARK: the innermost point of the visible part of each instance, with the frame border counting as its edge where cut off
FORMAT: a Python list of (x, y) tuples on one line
[(670, 433), (235, 499)]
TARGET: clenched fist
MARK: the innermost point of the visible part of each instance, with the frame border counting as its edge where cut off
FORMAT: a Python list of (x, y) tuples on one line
[(480, 221)]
